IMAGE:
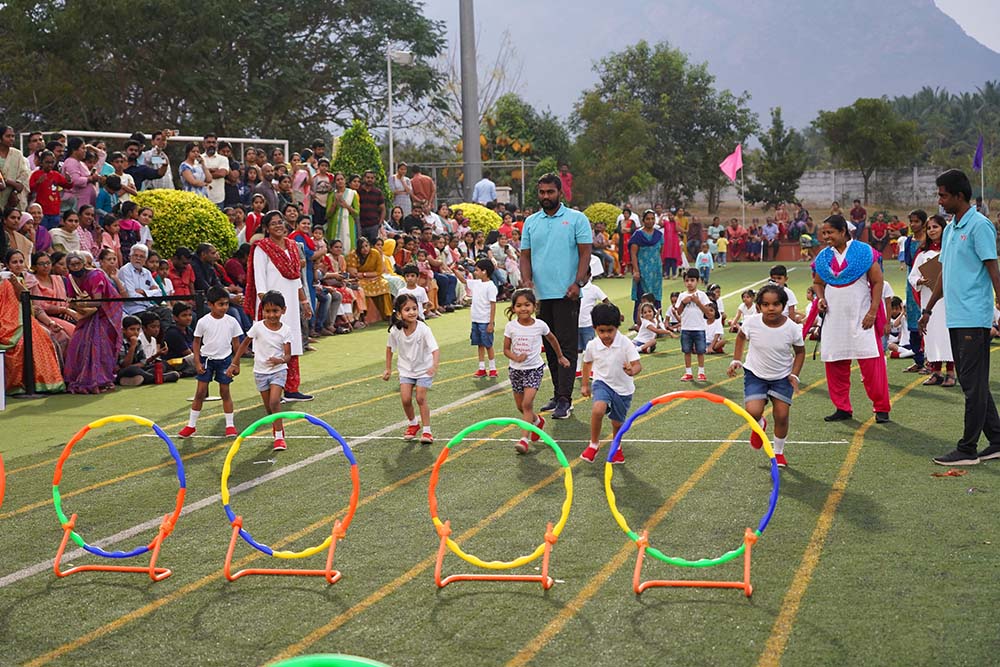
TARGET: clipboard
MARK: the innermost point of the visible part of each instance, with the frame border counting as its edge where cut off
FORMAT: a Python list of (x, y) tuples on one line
[(931, 271)]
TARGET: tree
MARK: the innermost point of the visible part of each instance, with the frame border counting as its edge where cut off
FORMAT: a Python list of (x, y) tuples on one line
[(512, 119), (692, 126), (782, 162), (357, 153), (236, 68), (612, 151), (869, 135)]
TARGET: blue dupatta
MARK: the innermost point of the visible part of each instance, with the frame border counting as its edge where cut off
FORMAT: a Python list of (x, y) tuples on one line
[(859, 258)]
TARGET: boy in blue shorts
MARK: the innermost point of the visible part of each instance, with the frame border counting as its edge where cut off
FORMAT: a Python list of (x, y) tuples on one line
[(693, 307), (216, 339), (484, 309), (614, 361)]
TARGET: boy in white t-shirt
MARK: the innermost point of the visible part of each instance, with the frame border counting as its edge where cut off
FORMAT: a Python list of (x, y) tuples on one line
[(693, 308), (483, 313), (773, 364), (411, 275), (272, 345), (216, 339), (590, 296), (779, 276), (614, 360)]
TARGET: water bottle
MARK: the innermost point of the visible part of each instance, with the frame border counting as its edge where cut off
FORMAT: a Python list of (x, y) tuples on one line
[(158, 372)]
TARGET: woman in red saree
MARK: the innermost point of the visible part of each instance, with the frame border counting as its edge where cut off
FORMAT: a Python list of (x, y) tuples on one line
[(737, 235)]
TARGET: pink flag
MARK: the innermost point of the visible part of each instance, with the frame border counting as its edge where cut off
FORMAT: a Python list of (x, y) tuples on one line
[(733, 163)]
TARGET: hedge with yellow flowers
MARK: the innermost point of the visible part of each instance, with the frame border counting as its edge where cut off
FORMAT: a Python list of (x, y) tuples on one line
[(186, 219), (481, 219), (602, 212)]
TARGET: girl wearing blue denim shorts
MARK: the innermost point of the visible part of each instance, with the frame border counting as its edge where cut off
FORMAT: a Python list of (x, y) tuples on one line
[(773, 364)]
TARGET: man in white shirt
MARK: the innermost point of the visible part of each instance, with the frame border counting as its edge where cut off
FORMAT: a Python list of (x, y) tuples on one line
[(137, 280), (156, 157), (217, 164), (485, 190)]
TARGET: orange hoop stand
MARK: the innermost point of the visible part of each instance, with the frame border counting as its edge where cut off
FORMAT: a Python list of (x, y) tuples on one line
[(749, 539)]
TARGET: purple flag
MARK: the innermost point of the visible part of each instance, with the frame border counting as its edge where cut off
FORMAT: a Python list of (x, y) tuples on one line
[(977, 160)]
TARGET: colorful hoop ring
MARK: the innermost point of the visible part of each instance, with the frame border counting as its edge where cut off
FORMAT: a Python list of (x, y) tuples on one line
[(617, 443), (567, 482), (330, 660), (57, 477), (355, 481)]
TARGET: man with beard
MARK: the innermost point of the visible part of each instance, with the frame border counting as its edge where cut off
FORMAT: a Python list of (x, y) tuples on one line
[(217, 164), (555, 262), (141, 173), (156, 157), (372, 212)]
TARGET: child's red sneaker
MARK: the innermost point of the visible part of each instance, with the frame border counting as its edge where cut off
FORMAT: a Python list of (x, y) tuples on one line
[(522, 446), (589, 454), (279, 445), (540, 424), (411, 431), (755, 440), (187, 432), (618, 457), (687, 377), (231, 432), (702, 378), (481, 373), (780, 458), (579, 374), (426, 438), (493, 372)]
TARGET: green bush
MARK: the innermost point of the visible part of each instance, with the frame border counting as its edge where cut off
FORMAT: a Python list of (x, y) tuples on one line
[(356, 153), (481, 219), (603, 212), (186, 219)]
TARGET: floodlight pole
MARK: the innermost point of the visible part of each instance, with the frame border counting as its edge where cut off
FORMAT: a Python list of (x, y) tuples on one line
[(473, 164), (388, 68)]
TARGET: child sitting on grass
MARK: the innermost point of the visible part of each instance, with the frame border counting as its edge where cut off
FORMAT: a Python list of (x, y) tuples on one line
[(483, 314), (272, 343), (645, 338), (216, 339), (715, 340), (773, 364), (416, 362), (614, 361), (179, 339), (133, 367), (745, 310)]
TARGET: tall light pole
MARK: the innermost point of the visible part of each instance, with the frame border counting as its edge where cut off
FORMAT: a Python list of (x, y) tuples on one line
[(473, 167), (400, 58)]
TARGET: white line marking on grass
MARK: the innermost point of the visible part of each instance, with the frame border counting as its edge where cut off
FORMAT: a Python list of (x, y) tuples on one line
[(215, 499), (746, 287)]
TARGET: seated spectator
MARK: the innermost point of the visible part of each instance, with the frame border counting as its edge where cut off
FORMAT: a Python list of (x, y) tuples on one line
[(236, 266), (130, 229), (181, 274), (133, 369), (150, 338), (137, 280), (162, 278), (110, 240), (179, 338), (107, 197)]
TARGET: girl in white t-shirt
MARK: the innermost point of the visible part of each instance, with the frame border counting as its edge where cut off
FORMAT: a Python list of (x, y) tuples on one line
[(522, 344), (416, 362), (645, 338), (773, 364), (715, 339), (745, 310)]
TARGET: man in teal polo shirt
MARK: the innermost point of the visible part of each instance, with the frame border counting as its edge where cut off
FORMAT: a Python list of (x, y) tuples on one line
[(970, 285), (555, 261)]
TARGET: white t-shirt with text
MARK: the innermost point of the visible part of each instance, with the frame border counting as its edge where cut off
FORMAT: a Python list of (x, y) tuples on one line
[(526, 340), (771, 356), (217, 335), (414, 352), (609, 363)]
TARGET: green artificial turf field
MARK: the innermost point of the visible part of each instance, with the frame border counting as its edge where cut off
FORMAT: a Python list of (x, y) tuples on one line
[(869, 558)]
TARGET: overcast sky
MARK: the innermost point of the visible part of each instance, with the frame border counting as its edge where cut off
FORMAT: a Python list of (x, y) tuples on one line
[(979, 18)]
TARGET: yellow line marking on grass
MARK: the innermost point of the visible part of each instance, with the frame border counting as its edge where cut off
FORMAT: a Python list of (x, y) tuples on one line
[(213, 415), (186, 457), (147, 609), (782, 629), (573, 607), (394, 585)]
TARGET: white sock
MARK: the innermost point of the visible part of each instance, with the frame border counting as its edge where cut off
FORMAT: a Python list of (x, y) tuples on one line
[(687, 370), (594, 445), (779, 445), (579, 361), (279, 434), (701, 370), (230, 419), (414, 421), (762, 422), (493, 364), (427, 429), (193, 418), (482, 365)]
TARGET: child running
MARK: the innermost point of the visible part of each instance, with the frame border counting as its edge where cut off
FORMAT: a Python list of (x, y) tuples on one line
[(773, 364), (417, 362), (522, 344), (272, 345), (692, 305), (615, 361), (216, 340), (483, 312)]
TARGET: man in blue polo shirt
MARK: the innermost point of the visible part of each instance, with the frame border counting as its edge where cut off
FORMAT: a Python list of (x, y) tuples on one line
[(555, 260), (969, 284)]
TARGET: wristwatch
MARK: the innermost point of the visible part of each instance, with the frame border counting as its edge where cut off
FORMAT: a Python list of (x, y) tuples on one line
[(581, 283), (926, 311)]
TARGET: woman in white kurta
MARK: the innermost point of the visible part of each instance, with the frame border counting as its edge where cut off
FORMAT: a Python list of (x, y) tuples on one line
[(274, 265), (937, 342), (846, 277)]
